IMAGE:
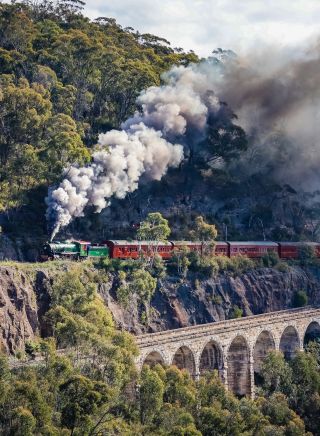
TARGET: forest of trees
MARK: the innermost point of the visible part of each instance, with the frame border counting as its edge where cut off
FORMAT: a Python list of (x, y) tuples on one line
[(93, 388), (63, 80)]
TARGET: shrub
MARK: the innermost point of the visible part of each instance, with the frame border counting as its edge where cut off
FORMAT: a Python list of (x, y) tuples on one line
[(31, 348), (158, 267), (236, 312), (306, 252), (123, 294), (205, 265), (282, 267), (143, 284), (242, 264), (307, 255), (270, 259), (300, 299), (180, 261), (217, 299)]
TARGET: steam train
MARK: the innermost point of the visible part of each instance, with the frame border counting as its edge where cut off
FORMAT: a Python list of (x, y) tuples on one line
[(120, 249)]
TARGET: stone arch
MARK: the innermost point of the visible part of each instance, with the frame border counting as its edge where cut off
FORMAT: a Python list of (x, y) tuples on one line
[(312, 333), (184, 359), (289, 342), (263, 345), (153, 358), (211, 357), (239, 367)]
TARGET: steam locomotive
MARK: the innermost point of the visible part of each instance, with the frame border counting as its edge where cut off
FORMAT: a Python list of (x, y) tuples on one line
[(120, 249)]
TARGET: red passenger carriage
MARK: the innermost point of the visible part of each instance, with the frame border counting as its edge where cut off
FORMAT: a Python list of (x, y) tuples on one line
[(290, 250), (252, 249), (134, 249), (218, 248)]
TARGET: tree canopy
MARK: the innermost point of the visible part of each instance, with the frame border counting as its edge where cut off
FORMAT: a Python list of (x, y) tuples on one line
[(63, 80)]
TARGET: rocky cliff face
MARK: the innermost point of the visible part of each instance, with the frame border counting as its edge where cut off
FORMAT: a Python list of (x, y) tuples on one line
[(177, 304), (24, 298)]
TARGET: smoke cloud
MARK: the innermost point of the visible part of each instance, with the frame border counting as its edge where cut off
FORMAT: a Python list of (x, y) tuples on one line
[(270, 93), (276, 96), (150, 143)]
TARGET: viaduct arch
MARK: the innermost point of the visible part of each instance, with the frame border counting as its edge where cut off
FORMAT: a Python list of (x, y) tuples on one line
[(235, 348)]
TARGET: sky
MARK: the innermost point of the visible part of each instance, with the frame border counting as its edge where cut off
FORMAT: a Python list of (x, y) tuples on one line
[(203, 25)]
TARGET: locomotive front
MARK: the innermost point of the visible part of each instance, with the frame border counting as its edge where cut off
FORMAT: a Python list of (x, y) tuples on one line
[(57, 250)]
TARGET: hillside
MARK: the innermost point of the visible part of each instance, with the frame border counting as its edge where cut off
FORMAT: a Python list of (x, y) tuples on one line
[(26, 291), (64, 80), (99, 126)]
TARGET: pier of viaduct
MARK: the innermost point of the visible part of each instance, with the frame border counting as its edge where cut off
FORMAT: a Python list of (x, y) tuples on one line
[(235, 348)]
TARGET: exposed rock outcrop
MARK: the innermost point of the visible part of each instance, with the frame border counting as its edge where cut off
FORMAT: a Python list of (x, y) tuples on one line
[(24, 298), (178, 304)]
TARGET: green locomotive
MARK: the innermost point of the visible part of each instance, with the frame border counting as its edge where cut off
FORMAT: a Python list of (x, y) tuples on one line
[(73, 250)]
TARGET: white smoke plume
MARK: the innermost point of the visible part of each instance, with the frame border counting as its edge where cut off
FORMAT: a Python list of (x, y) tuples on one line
[(268, 92), (149, 144)]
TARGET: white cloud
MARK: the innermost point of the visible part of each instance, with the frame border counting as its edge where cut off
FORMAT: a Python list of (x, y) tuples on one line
[(203, 25)]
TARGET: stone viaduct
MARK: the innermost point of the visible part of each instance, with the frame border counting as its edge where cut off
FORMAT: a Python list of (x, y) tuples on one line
[(235, 348)]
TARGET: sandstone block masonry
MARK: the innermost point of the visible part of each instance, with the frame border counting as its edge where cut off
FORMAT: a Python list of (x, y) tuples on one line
[(235, 348)]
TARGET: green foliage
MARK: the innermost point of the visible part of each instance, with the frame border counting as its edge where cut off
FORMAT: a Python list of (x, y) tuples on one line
[(223, 141), (300, 299), (282, 267), (63, 80), (24, 423), (307, 256), (138, 283), (205, 233), (176, 421), (239, 264), (205, 266), (80, 399), (270, 259), (81, 323), (236, 312), (158, 267), (151, 394), (154, 228), (306, 392), (306, 253), (70, 292), (143, 284), (179, 388), (31, 348), (180, 261), (209, 266), (276, 373), (313, 348), (61, 398), (36, 144), (217, 299), (277, 409)]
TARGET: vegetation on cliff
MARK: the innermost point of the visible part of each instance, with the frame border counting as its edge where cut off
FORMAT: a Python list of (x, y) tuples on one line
[(64, 80), (92, 387)]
